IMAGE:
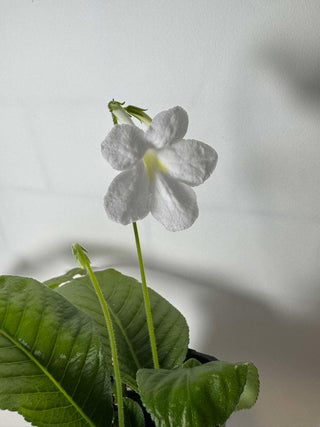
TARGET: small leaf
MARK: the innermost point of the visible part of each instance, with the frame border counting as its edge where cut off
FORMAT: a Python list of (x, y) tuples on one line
[(133, 415), (51, 366), (124, 297), (201, 357), (204, 395), (250, 393), (191, 363), (64, 278)]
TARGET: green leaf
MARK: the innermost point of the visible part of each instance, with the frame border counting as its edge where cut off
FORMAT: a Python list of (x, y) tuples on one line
[(124, 297), (59, 280), (250, 393), (191, 363), (204, 395), (52, 369), (133, 415)]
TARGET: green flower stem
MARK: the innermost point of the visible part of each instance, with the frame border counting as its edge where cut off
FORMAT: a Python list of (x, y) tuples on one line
[(146, 300), (112, 344), (140, 114), (84, 262)]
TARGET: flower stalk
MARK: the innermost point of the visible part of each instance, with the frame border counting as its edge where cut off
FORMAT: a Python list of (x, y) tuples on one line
[(84, 262), (118, 112), (146, 300)]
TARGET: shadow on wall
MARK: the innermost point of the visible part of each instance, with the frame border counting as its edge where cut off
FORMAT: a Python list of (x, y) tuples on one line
[(298, 66), (276, 117), (236, 327), (286, 352)]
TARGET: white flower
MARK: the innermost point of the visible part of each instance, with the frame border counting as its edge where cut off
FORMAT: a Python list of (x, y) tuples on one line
[(159, 169)]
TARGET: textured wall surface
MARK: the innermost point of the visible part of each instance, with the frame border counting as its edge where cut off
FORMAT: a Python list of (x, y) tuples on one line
[(246, 275)]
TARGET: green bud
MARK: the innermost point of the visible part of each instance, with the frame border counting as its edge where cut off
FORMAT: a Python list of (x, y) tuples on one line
[(80, 254), (119, 115), (139, 113)]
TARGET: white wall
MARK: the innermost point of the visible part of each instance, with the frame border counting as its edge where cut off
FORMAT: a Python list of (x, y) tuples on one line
[(248, 74)]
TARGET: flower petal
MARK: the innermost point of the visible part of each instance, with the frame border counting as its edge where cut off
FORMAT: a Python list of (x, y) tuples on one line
[(189, 160), (167, 127), (124, 146), (129, 196), (174, 204)]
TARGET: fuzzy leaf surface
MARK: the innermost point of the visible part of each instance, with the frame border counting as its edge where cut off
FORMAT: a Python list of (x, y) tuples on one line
[(124, 297), (133, 415), (52, 369), (192, 396)]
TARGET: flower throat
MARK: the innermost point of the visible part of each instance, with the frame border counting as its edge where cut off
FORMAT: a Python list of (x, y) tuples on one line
[(152, 164)]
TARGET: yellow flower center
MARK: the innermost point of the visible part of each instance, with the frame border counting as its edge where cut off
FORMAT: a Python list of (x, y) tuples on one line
[(152, 164)]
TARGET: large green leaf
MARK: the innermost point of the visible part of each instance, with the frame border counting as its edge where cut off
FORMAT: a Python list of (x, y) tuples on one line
[(124, 298), (52, 369), (193, 396), (66, 277)]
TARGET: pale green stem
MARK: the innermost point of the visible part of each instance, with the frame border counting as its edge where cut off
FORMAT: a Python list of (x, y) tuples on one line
[(146, 300), (112, 344)]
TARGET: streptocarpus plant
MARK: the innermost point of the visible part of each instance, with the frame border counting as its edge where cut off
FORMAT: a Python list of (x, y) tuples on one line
[(100, 349)]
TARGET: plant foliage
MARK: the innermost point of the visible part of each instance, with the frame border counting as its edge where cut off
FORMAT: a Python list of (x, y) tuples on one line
[(52, 369), (56, 367)]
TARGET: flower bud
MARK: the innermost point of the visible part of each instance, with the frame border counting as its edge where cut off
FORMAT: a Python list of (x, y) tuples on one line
[(119, 114)]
